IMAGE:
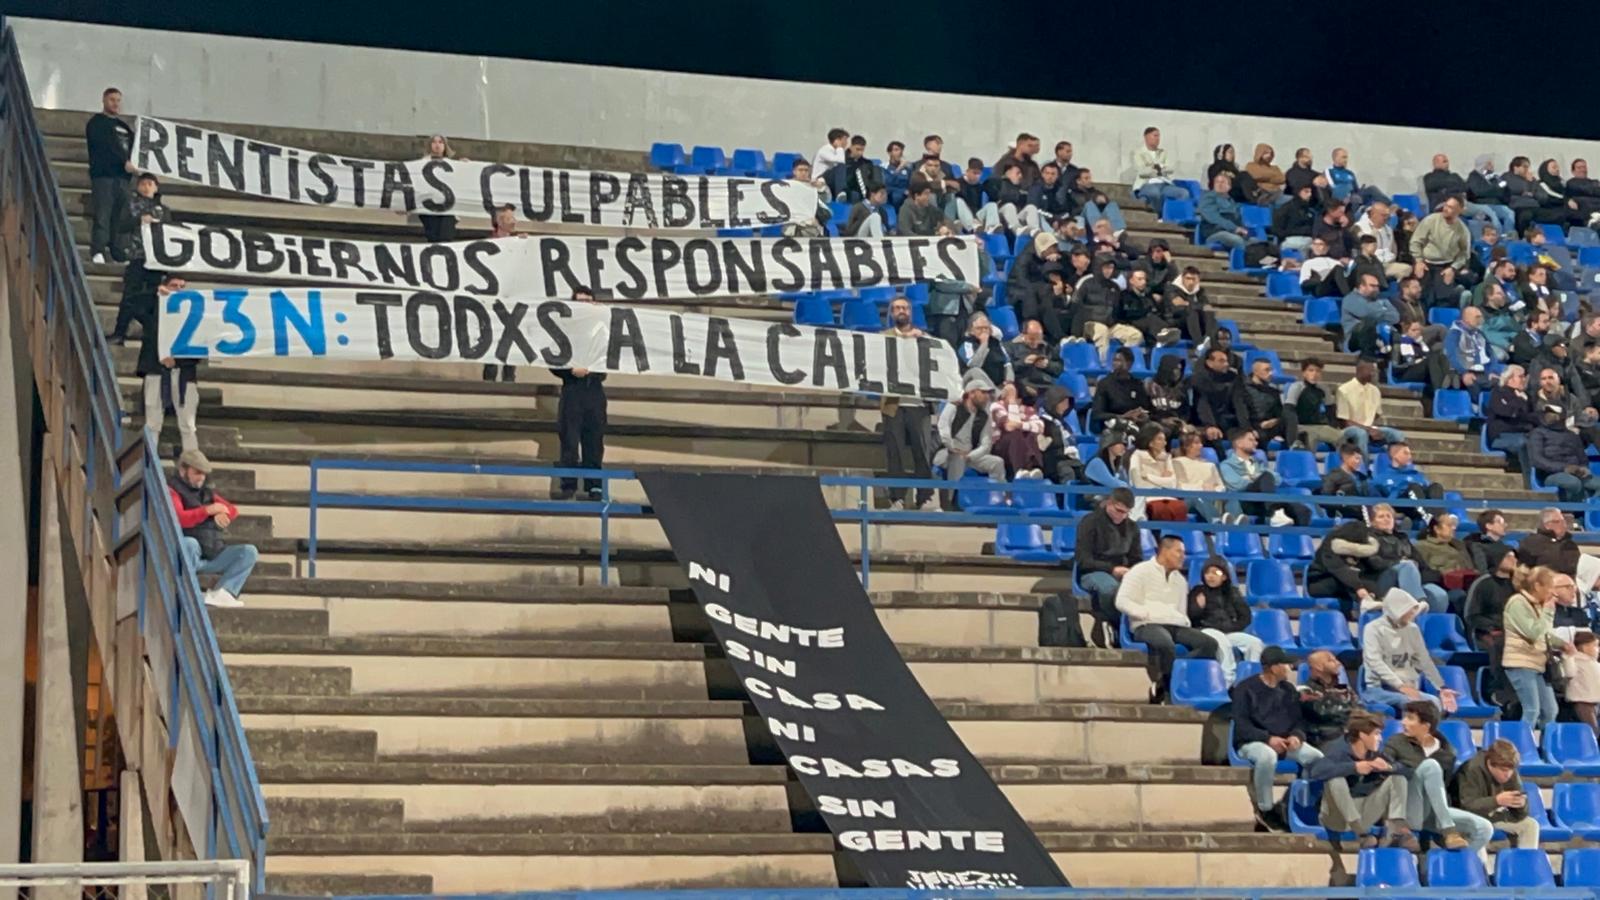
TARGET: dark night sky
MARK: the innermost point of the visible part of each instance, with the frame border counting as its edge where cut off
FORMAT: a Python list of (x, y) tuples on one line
[(1488, 67)]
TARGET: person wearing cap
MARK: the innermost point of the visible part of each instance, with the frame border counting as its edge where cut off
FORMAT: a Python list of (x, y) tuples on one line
[(169, 382), (204, 515), (966, 432), (1269, 725), (1396, 657)]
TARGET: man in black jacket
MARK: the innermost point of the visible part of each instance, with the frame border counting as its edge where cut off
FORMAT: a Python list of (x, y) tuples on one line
[(1557, 453), (1218, 399), (1485, 608), (1441, 182), (1326, 698), (1346, 481), (1530, 340), (1585, 191), (1336, 569), (1293, 222), (1137, 308), (866, 217), (1185, 307), (1267, 727), (110, 146), (1107, 547), (581, 421), (1160, 270), (1093, 303), (1509, 415), (1034, 360), (1360, 785), (1120, 394), (1263, 403), (1031, 292), (1552, 545), (1488, 543)]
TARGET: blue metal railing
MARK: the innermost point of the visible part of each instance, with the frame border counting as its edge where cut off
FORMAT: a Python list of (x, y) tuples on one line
[(84, 414)]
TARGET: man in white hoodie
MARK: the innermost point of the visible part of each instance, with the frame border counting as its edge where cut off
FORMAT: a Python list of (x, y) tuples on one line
[(1395, 657), (1152, 180), (1154, 595)]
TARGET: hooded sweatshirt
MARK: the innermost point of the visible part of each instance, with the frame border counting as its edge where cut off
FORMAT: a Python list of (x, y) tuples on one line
[(1223, 610), (1268, 176), (1395, 655)]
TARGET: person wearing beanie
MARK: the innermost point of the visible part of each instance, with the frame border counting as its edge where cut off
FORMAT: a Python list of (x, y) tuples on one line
[(1396, 657), (204, 516), (1267, 727), (1216, 607)]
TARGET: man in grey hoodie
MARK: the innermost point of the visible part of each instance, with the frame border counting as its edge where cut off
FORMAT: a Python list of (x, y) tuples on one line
[(1395, 657)]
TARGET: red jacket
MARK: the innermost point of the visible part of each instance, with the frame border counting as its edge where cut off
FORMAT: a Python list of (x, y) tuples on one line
[(189, 518)]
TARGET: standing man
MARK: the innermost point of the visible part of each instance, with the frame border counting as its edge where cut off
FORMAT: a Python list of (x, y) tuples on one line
[(1268, 725), (581, 420), (1441, 241), (1152, 181), (906, 423), (1154, 597), (110, 146)]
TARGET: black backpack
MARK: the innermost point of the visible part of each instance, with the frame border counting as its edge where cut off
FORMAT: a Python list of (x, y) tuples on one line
[(1058, 622)]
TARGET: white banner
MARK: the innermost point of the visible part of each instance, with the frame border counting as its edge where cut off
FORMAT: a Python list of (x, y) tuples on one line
[(361, 325), (653, 200), (545, 266)]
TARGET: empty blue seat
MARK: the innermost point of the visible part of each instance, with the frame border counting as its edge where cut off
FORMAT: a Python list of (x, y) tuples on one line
[(1194, 188), (1455, 869), (1577, 804), (1386, 867), (748, 161), (1443, 635), (1004, 318), (1082, 358), (1298, 468), (1179, 212), (1459, 733), (813, 309), (1523, 867), (1290, 547), (1550, 828), (1443, 315), (1320, 312), (1410, 202), (1242, 546), (983, 497), (998, 247), (1236, 264), (861, 315), (1271, 356), (1455, 679), (1273, 628), (1453, 405), (1580, 866), (1326, 629), (1194, 544), (1285, 286), (1521, 736), (1256, 218), (1023, 542), (1571, 745), (1270, 582), (1589, 257), (1064, 539), (783, 163), (1077, 384), (710, 159), (1198, 683), (882, 295), (667, 157), (1038, 503), (1579, 236), (916, 293)]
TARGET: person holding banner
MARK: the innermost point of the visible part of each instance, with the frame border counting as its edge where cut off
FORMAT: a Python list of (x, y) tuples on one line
[(505, 226), (907, 427), (168, 383), (581, 421), (438, 228)]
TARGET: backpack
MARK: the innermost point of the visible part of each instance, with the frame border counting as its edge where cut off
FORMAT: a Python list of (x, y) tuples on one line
[(1058, 622)]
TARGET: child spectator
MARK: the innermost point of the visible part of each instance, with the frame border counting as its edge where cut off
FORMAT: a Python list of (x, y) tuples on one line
[(138, 283), (1216, 607), (1396, 657), (1583, 677), (1487, 785)]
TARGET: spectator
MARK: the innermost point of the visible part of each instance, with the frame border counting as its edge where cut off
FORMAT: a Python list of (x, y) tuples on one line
[(966, 433), (1168, 390), (1414, 358), (1216, 608), (1120, 394), (920, 216), (1529, 639), (1008, 208), (1583, 678), (437, 228), (1017, 429), (1158, 266), (1584, 192), (110, 146), (1243, 473), (1032, 292), (866, 217), (1551, 192), (1441, 183), (1487, 785), (1585, 374), (1196, 473), (1138, 309), (1063, 161), (1245, 189), (1022, 153), (1467, 351), (1049, 195), (906, 425), (1320, 274), (1152, 596), (1396, 657), (961, 198), (169, 383), (897, 173), (1551, 545), (830, 154), (1420, 747), (1587, 334), (1326, 699), (1366, 262), (1441, 241), (933, 145), (1107, 548), (1264, 408), (1218, 397), (1152, 181), (1440, 550), (1034, 360), (1521, 194), (814, 225), (1376, 224), (1484, 610), (1557, 453), (1346, 480), (138, 283), (1292, 222), (204, 517), (1360, 314), (1268, 726), (1094, 205), (1343, 184), (1220, 220), (1336, 570), (1361, 786), (503, 228), (1150, 467), (1333, 226), (1397, 565), (1510, 416), (1269, 178), (1502, 272), (1061, 462), (1360, 407), (1402, 480), (1185, 307), (1534, 286), (1555, 357), (1487, 195), (1221, 339), (1500, 324), (1488, 540), (581, 420), (982, 350), (1094, 302), (950, 304), (1109, 468), (1310, 404), (1301, 173)]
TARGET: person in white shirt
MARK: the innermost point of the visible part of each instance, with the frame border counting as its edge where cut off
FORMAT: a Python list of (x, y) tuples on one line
[(1152, 181), (1376, 224), (1583, 677), (1150, 466), (1196, 473), (1359, 405), (1154, 595), (830, 154)]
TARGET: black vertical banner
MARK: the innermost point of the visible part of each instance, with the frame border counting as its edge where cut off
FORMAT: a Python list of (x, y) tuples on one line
[(900, 792)]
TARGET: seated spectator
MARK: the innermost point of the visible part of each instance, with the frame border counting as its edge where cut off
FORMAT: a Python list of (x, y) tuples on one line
[(1572, 615), (1196, 473), (831, 153), (1268, 726), (1360, 408), (1220, 220), (1093, 304), (1336, 570), (1107, 549), (1159, 268), (1554, 206), (1397, 565), (1300, 174), (1268, 177), (1310, 404), (1534, 286), (961, 198), (1466, 348), (1152, 180), (1585, 374), (1061, 462), (1440, 183), (1582, 669), (1366, 262), (1033, 293), (1375, 224), (1576, 415), (1557, 453), (1488, 540), (896, 173), (1185, 307), (1293, 221), (1441, 241), (1221, 339), (1022, 153), (1218, 397), (1487, 785), (1414, 358), (1443, 552), (981, 349), (1168, 391), (1347, 480), (920, 216), (1153, 597), (1500, 324), (1360, 786), (1521, 194), (1487, 196), (1584, 192), (814, 225), (967, 434), (1551, 545), (1530, 637), (1561, 387), (1138, 309), (1008, 208), (138, 283), (1150, 467), (1333, 226), (933, 145), (1320, 274), (1092, 203), (1396, 657), (204, 517), (1109, 468), (169, 383), (1223, 159), (1420, 747), (1216, 607), (1509, 416), (866, 217), (1243, 473), (1120, 394), (1326, 700), (1048, 195), (1264, 406), (1343, 184), (1402, 480), (1502, 272), (1104, 240), (861, 176), (1017, 429), (1034, 360), (1360, 314)]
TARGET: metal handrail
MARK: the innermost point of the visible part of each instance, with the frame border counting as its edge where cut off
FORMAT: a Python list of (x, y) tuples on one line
[(200, 691)]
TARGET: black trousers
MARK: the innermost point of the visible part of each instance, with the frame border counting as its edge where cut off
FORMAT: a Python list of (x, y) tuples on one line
[(438, 228), (138, 291), (1267, 483), (581, 427), (1163, 640), (948, 328), (1041, 305), (108, 198), (905, 448), (493, 371)]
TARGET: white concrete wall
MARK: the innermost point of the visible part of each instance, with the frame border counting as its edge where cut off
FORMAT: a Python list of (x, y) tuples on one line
[(321, 86)]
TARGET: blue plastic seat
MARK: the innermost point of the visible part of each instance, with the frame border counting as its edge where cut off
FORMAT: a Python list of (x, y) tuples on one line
[(1523, 867), (1386, 867), (882, 295), (1038, 504), (1589, 257), (1023, 543), (983, 497), (1077, 384), (1550, 828), (667, 157), (1064, 539), (1305, 810), (1273, 628), (916, 293), (1194, 544), (1391, 727), (1198, 683), (1577, 804), (1270, 582), (1271, 356), (861, 315), (1180, 350), (1459, 733), (1284, 767), (1242, 546), (1410, 202), (813, 309), (1580, 866), (1452, 405), (1005, 319), (1285, 286), (1326, 629), (1290, 547), (1571, 745), (1320, 312), (1082, 358), (1579, 236), (1455, 869), (1256, 218), (1443, 635), (998, 247), (1455, 679), (783, 163), (1521, 736), (1126, 640), (709, 159), (748, 161), (1194, 187), (1443, 315), (1298, 468), (1553, 234), (1179, 212), (1236, 264)]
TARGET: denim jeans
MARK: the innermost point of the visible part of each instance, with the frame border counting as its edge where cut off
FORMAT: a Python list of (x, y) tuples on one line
[(1110, 212), (1264, 764), (1298, 242), (1572, 488), (1499, 213), (1537, 697), (1360, 438), (1102, 588), (233, 564), (1156, 192), (957, 209), (1391, 701), (1514, 445), (1428, 807), (1227, 645), (1405, 576)]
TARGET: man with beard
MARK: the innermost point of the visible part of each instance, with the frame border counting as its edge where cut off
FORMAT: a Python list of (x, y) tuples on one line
[(1326, 699), (906, 424), (1137, 308), (1120, 395), (1093, 303), (1218, 402), (1264, 407)]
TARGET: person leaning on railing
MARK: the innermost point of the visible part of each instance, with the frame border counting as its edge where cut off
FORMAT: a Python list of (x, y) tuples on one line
[(204, 515)]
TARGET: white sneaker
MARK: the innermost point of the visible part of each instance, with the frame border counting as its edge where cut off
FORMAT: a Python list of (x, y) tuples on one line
[(1280, 519), (98, 259), (221, 599), (897, 506), (930, 505)]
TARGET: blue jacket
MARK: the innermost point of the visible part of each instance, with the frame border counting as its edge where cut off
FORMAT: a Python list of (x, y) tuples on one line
[(1218, 212), (1355, 309), (1466, 348), (1392, 482), (1238, 473), (1342, 182)]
